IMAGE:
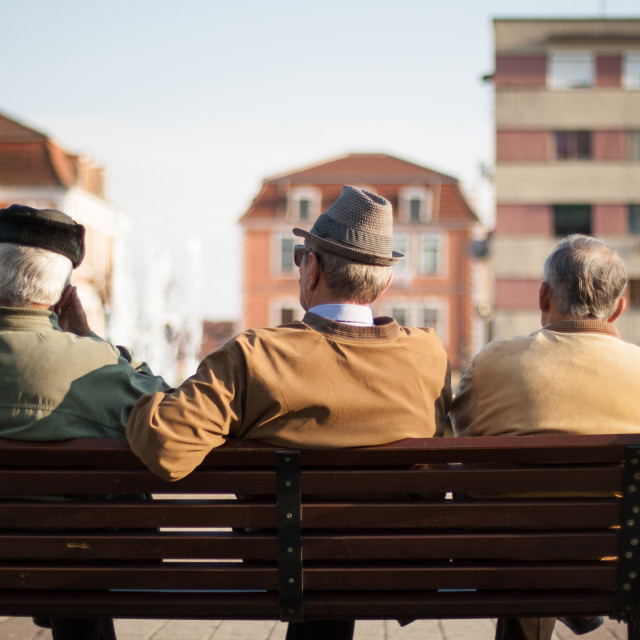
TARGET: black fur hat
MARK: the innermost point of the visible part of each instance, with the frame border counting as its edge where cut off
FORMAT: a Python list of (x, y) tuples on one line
[(43, 228)]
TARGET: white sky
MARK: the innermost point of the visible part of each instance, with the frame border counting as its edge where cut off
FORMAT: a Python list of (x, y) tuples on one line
[(191, 103)]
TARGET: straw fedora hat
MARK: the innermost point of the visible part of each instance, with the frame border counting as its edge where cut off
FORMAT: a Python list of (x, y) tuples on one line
[(358, 226)]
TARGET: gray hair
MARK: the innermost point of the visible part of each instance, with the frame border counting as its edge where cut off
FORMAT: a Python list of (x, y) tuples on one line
[(586, 277), (354, 281), (30, 275)]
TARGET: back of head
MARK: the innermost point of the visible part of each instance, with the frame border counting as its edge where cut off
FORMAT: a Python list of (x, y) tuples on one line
[(354, 241), (586, 277), (353, 281), (30, 275), (38, 250)]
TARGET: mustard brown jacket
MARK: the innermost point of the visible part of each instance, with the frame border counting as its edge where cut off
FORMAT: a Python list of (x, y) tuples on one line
[(310, 384)]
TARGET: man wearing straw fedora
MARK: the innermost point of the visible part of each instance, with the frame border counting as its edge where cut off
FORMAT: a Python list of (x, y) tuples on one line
[(338, 378)]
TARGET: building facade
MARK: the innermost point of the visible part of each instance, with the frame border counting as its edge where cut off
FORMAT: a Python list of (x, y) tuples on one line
[(567, 117), (433, 228), (37, 172)]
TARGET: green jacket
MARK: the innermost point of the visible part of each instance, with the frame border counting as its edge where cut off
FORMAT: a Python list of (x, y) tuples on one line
[(55, 385)]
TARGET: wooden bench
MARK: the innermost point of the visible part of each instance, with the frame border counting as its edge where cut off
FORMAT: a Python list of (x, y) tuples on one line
[(344, 534)]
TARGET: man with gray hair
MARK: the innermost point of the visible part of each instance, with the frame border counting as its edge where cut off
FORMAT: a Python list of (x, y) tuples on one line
[(58, 380), (574, 375), (338, 378)]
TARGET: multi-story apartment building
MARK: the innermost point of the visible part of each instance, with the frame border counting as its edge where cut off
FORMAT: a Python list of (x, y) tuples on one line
[(37, 172), (433, 228), (567, 102)]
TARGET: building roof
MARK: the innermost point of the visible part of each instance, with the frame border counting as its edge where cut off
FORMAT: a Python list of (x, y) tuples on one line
[(30, 158), (381, 171), (526, 36), (362, 168)]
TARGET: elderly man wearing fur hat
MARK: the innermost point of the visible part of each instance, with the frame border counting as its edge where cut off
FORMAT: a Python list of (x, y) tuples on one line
[(58, 380), (338, 378)]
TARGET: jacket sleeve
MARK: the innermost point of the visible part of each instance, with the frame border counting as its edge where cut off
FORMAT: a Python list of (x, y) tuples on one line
[(172, 432)]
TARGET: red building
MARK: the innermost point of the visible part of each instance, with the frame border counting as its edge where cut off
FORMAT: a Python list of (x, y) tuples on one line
[(37, 172), (433, 227)]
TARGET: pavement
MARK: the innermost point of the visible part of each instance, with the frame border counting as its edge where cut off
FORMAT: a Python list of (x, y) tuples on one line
[(24, 629)]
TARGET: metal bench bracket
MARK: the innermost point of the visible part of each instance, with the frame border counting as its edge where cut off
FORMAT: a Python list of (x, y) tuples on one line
[(289, 536), (628, 583)]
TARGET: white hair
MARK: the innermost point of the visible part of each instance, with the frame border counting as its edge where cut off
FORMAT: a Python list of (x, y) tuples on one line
[(30, 275), (586, 277), (354, 281)]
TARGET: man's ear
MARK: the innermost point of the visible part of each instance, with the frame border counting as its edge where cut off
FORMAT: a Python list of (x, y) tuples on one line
[(620, 307), (314, 269), (544, 297)]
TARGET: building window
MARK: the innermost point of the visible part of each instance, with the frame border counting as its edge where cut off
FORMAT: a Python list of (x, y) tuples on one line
[(570, 70), (304, 203), (634, 294), (571, 218), (304, 209), (287, 315), (633, 146), (634, 218), (283, 255), (401, 245), (430, 254), (415, 209), (420, 312), (433, 314), (573, 145), (430, 317), (283, 311), (399, 314), (415, 204), (631, 70)]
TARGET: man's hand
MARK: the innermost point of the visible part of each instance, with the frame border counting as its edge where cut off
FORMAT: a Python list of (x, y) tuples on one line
[(71, 314)]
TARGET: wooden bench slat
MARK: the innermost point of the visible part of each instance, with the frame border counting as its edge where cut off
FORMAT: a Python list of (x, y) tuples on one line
[(534, 514), (464, 479), (360, 481), (506, 514), (395, 545), (463, 576), (198, 575), (104, 515), (242, 453), (85, 481), (190, 605), (398, 545), (459, 604), (127, 546), (318, 605), (195, 575)]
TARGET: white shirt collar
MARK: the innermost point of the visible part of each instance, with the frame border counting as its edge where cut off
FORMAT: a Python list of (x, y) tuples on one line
[(356, 314)]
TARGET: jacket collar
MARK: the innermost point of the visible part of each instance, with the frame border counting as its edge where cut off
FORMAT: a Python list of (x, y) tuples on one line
[(26, 319), (583, 325)]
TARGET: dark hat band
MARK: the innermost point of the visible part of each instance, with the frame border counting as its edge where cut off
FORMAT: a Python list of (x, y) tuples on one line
[(37, 228), (328, 227)]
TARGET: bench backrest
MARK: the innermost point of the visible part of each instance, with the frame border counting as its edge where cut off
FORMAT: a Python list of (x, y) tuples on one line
[(471, 527)]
